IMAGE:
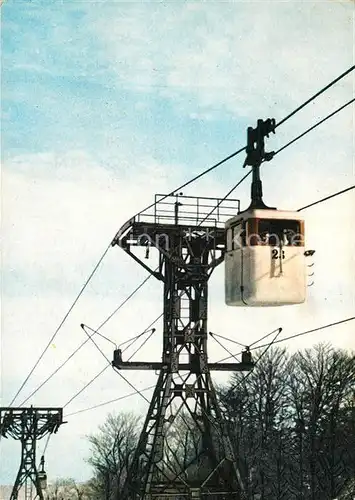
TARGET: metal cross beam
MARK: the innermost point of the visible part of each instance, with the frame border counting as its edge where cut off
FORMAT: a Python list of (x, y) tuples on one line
[(146, 365), (29, 425), (190, 238)]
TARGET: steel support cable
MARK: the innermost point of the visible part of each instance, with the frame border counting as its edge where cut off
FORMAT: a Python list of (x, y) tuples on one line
[(108, 402), (340, 77), (96, 332), (239, 182), (98, 374), (137, 391), (314, 126), (224, 347), (278, 330), (117, 371), (208, 170), (299, 210), (225, 359), (61, 324), (130, 341), (134, 388), (87, 339), (243, 379), (218, 164), (279, 151), (267, 347), (226, 338), (177, 189), (124, 302), (86, 385), (317, 94), (46, 445), (329, 325), (134, 339), (226, 196), (138, 336), (310, 331), (214, 335), (250, 347), (181, 187), (326, 198), (54, 372), (142, 344)]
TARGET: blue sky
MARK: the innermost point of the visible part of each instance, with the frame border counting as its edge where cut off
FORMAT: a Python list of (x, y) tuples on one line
[(58, 79), (106, 103)]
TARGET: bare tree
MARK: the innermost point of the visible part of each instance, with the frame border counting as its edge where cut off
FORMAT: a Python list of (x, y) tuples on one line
[(111, 453), (183, 450), (322, 384), (258, 410), (293, 422), (68, 489)]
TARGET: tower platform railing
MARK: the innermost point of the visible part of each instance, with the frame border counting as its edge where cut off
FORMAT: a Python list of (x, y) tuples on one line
[(190, 210)]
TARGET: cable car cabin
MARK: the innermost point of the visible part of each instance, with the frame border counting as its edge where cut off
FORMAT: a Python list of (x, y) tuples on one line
[(264, 260), (42, 476)]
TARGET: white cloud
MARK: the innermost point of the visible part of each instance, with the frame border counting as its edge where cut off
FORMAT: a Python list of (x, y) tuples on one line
[(52, 231), (60, 211), (241, 56)]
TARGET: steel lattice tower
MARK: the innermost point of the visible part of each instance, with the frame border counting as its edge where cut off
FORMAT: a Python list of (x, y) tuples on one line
[(190, 244), (29, 425)]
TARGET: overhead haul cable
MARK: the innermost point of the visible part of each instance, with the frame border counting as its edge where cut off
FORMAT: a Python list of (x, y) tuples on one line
[(267, 347), (143, 343), (60, 325), (243, 379), (86, 340), (123, 343), (282, 149), (214, 335), (133, 340), (86, 385), (314, 126), (310, 331), (316, 95), (329, 325), (109, 364), (224, 198), (120, 374), (46, 445), (177, 189), (326, 198), (224, 347), (202, 409), (286, 118), (225, 359), (108, 402)]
